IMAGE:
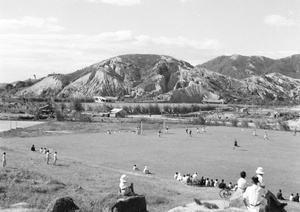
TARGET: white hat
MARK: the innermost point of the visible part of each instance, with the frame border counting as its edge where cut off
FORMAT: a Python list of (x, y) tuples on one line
[(123, 178), (259, 170)]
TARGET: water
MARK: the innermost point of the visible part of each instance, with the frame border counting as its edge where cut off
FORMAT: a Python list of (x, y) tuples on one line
[(8, 125)]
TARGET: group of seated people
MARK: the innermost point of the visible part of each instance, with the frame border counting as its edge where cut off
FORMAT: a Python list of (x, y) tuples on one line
[(293, 198), (43, 150), (145, 171), (194, 180)]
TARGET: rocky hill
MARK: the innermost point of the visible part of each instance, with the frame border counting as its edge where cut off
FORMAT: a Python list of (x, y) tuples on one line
[(158, 77), (200, 83), (240, 67)]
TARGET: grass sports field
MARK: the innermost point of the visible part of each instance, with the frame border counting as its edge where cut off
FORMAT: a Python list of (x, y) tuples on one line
[(96, 160)]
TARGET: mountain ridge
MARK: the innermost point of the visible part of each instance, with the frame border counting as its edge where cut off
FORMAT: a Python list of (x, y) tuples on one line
[(152, 77)]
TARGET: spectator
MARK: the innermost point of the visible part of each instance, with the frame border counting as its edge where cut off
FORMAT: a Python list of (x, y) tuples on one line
[(296, 198), (125, 189), (207, 183), (242, 183), (33, 148), (279, 195), (216, 183), (253, 196), (176, 175), (222, 184), (146, 170), (291, 197), (135, 168)]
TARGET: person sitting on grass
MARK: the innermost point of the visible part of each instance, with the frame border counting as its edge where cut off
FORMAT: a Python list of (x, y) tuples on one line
[(175, 175), (279, 195), (216, 183), (207, 182), (296, 198), (222, 184), (125, 189), (212, 183), (179, 177), (135, 168), (41, 150), (146, 170), (33, 148)]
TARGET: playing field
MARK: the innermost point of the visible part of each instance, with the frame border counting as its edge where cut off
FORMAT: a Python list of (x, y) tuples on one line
[(210, 154)]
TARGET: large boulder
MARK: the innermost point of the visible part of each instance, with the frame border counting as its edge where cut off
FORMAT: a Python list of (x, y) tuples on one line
[(130, 204), (62, 204)]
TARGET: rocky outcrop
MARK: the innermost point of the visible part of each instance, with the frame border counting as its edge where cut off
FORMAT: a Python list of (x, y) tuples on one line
[(63, 204), (130, 204)]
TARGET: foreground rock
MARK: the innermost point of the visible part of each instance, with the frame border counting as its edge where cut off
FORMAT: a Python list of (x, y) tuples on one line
[(130, 204), (62, 204)]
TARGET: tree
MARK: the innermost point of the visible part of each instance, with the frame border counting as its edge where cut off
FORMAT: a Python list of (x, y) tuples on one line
[(8, 87)]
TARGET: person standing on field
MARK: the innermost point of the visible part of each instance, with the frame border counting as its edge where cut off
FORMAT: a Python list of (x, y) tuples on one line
[(47, 156), (54, 158), (254, 133), (4, 159)]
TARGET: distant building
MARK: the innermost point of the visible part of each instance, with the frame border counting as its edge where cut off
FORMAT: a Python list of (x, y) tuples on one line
[(117, 113), (102, 99)]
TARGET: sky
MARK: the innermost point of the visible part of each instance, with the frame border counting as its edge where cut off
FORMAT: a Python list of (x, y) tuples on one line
[(41, 37)]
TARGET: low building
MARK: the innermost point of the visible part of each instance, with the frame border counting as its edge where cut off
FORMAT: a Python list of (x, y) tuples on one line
[(117, 113)]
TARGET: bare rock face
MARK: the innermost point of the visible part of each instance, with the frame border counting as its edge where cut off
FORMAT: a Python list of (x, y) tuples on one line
[(63, 204), (135, 75), (130, 204), (48, 86)]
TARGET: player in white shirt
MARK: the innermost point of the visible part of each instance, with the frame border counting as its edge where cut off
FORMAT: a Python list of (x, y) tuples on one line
[(266, 136), (47, 156), (55, 158)]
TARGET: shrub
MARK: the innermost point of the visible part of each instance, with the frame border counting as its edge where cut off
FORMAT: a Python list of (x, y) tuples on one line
[(167, 109), (261, 125), (77, 105), (199, 120), (137, 109), (234, 122), (154, 109), (59, 116), (283, 126), (245, 123)]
